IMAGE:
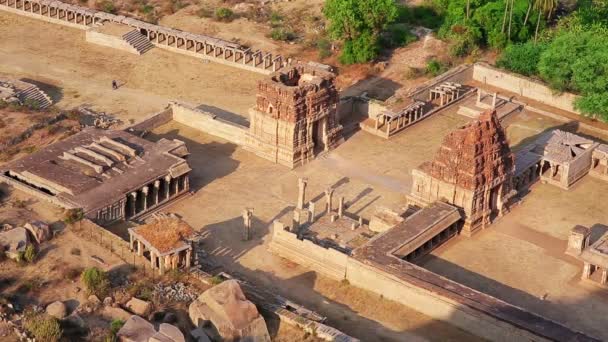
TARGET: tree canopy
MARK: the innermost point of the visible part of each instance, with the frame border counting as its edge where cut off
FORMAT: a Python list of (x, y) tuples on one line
[(359, 24)]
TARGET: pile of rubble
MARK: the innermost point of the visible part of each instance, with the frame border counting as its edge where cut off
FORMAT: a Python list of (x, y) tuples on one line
[(178, 292), (91, 118)]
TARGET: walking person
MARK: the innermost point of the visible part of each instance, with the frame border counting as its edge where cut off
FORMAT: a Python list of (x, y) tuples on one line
[(114, 84)]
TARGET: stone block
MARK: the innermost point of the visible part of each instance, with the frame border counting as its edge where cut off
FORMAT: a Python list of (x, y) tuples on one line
[(136, 329), (57, 309), (139, 307)]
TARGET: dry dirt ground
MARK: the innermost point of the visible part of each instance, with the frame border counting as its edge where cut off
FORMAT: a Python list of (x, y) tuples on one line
[(81, 73)]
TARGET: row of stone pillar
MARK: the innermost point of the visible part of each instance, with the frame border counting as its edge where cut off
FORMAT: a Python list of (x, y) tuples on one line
[(170, 261), (150, 195)]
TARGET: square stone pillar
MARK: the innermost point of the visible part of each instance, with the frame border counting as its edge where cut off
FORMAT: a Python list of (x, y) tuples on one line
[(152, 259), (144, 192), (156, 190), (188, 258), (140, 248), (301, 192), (133, 203), (586, 271), (161, 265), (167, 186), (328, 197), (311, 209), (604, 278), (341, 207)]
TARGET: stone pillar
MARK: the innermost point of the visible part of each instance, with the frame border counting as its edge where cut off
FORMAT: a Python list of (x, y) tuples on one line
[(140, 248), (478, 95), (176, 185), (134, 203), (296, 220), (161, 265), (188, 258), (301, 192), (604, 278), (341, 207), (156, 191), (144, 192), (494, 100), (247, 218), (586, 271), (131, 243), (167, 186), (152, 263), (311, 209), (328, 194)]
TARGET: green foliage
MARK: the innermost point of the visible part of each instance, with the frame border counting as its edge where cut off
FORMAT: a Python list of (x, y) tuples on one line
[(108, 6), (147, 9), (521, 58), (424, 15), (115, 325), (324, 47), (73, 215), (280, 33), (398, 35), (224, 14), (360, 50), (30, 254), (276, 19), (96, 281), (215, 280), (142, 290), (435, 67), (43, 327), (359, 24)]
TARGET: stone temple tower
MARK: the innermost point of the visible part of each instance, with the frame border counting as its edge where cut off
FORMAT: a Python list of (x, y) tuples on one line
[(295, 117), (472, 170)]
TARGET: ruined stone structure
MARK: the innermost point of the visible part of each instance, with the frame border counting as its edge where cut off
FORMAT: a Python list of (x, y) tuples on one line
[(165, 240), (111, 175), (472, 170), (594, 256), (295, 118), (23, 93), (211, 48)]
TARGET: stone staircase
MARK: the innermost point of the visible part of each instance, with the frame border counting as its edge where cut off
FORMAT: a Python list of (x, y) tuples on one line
[(34, 97), (138, 41)]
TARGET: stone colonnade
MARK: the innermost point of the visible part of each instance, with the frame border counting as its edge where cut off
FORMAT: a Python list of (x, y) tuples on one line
[(589, 269), (392, 123), (209, 47), (437, 240), (154, 193), (446, 93), (527, 176)]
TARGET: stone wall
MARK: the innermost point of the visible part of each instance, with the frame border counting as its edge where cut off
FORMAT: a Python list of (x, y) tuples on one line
[(208, 123), (523, 86), (36, 193), (115, 42), (326, 261), (424, 291), (152, 121)]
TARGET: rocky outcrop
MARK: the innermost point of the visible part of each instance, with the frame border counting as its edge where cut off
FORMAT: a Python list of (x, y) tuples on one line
[(229, 312), (41, 231), (139, 307), (13, 241), (136, 329)]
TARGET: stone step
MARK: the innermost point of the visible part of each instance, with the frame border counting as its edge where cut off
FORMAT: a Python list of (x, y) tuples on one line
[(33, 93), (138, 41)]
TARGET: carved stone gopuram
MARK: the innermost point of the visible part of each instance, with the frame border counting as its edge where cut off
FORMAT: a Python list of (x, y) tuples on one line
[(472, 170), (295, 117)]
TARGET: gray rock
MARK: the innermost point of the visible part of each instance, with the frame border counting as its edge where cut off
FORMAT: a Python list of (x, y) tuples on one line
[(40, 231), (57, 309), (108, 301), (233, 316), (14, 241), (168, 333), (139, 307), (136, 329)]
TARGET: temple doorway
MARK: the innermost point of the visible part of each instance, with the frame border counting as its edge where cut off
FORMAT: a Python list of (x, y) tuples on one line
[(318, 135)]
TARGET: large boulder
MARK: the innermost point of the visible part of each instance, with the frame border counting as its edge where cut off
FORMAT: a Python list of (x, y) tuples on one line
[(139, 307), (13, 241), (168, 333), (57, 309), (233, 316), (136, 329), (40, 231)]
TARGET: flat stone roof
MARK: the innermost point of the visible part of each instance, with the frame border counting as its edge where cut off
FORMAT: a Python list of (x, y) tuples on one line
[(562, 147), (165, 235), (597, 253), (96, 168)]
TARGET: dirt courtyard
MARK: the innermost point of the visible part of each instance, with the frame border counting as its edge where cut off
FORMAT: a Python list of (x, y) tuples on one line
[(78, 72)]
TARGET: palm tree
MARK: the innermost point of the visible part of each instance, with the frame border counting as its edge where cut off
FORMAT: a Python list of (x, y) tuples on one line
[(530, 3), (544, 7), (510, 19)]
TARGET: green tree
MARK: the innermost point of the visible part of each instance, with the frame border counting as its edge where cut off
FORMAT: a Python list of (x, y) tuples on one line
[(521, 58), (544, 8), (359, 24), (96, 281)]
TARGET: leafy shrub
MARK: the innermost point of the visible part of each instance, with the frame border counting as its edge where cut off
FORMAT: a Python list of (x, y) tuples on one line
[(521, 58), (424, 15), (215, 280), (283, 34), (224, 14), (73, 215), (43, 327), (108, 6), (324, 47), (30, 254), (115, 325), (142, 290), (276, 19), (360, 50), (96, 281), (434, 67), (412, 73), (204, 12), (397, 36), (147, 9)]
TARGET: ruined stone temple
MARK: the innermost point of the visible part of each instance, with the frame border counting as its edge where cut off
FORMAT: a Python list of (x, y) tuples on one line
[(111, 175), (472, 170), (295, 117)]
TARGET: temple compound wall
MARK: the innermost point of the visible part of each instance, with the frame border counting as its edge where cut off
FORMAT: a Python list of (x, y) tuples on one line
[(524, 86), (111, 175), (472, 170), (377, 266), (295, 116), (201, 46), (209, 123)]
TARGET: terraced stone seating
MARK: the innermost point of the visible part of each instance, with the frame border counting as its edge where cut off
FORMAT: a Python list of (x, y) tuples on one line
[(138, 41)]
